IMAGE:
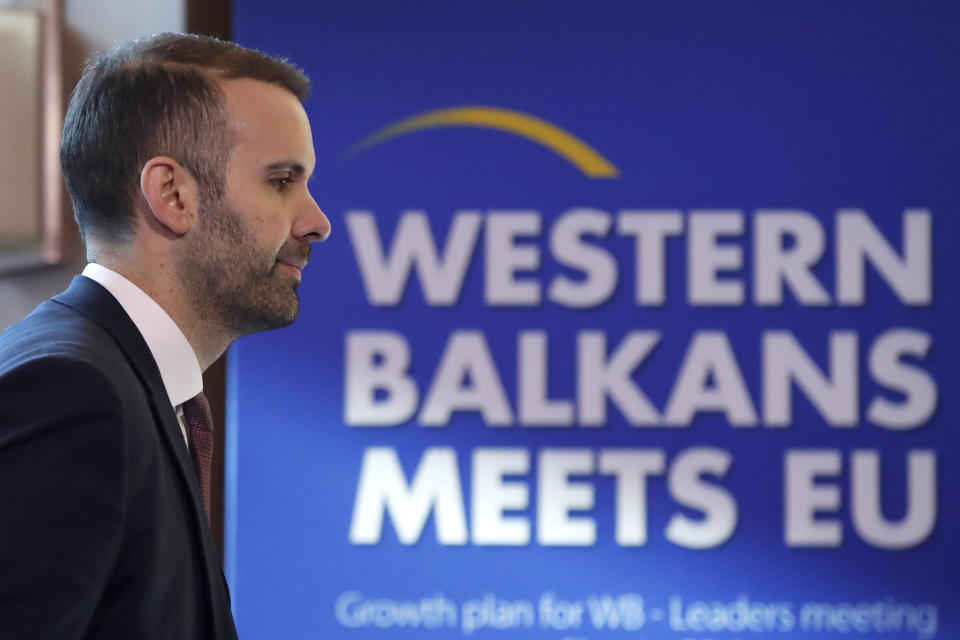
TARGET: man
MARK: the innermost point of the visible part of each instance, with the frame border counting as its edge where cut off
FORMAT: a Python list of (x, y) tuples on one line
[(186, 159)]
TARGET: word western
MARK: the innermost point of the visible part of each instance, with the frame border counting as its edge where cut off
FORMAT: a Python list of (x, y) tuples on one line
[(584, 244)]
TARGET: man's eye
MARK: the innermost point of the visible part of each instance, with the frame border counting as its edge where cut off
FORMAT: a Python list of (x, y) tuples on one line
[(281, 183)]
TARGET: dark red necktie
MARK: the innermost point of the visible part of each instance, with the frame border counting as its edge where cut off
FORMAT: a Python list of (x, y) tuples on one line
[(196, 413)]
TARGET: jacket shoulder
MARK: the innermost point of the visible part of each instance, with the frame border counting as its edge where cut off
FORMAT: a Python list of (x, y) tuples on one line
[(54, 332)]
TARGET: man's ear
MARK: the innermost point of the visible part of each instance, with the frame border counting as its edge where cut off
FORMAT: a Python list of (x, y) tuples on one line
[(171, 193)]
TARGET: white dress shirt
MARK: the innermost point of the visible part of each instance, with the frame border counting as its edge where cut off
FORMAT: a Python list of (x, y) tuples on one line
[(178, 364)]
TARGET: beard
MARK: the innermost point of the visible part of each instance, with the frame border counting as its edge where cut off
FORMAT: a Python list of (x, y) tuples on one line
[(234, 281)]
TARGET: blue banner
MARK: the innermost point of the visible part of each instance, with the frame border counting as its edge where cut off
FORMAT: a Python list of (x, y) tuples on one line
[(636, 321)]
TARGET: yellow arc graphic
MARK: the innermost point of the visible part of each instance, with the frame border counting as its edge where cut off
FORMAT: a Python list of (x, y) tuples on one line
[(580, 154)]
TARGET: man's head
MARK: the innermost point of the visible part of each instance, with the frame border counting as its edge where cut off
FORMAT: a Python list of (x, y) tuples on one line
[(201, 148)]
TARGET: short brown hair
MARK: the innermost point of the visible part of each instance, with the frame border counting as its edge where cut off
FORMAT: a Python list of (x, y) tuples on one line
[(158, 95)]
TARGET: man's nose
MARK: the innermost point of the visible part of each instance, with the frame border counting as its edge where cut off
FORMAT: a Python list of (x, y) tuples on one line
[(312, 223)]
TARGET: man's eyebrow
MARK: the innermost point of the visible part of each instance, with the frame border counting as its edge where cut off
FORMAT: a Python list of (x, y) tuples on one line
[(295, 168)]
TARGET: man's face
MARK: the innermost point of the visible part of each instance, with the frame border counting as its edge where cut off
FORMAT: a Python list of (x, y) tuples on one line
[(244, 265)]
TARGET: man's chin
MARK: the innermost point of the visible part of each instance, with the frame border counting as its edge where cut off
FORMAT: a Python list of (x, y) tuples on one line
[(285, 317), (269, 317)]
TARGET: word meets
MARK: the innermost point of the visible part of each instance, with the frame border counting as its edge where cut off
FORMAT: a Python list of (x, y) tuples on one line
[(564, 493)]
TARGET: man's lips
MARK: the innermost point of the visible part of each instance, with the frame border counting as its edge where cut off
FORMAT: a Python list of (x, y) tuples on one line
[(295, 268), (294, 258)]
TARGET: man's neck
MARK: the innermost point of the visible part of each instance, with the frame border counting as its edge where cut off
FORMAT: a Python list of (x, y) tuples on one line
[(208, 338)]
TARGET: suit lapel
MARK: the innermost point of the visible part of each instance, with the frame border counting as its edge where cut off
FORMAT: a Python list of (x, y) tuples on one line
[(92, 300), (95, 302)]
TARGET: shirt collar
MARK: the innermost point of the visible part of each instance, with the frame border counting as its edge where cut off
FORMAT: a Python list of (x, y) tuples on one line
[(178, 364)]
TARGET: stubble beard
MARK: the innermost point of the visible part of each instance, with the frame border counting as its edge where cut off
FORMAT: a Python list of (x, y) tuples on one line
[(232, 280)]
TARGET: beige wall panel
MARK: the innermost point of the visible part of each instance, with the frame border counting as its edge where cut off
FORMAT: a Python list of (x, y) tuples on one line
[(20, 127)]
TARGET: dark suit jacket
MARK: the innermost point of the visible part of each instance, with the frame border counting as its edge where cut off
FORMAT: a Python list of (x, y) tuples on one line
[(102, 528)]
